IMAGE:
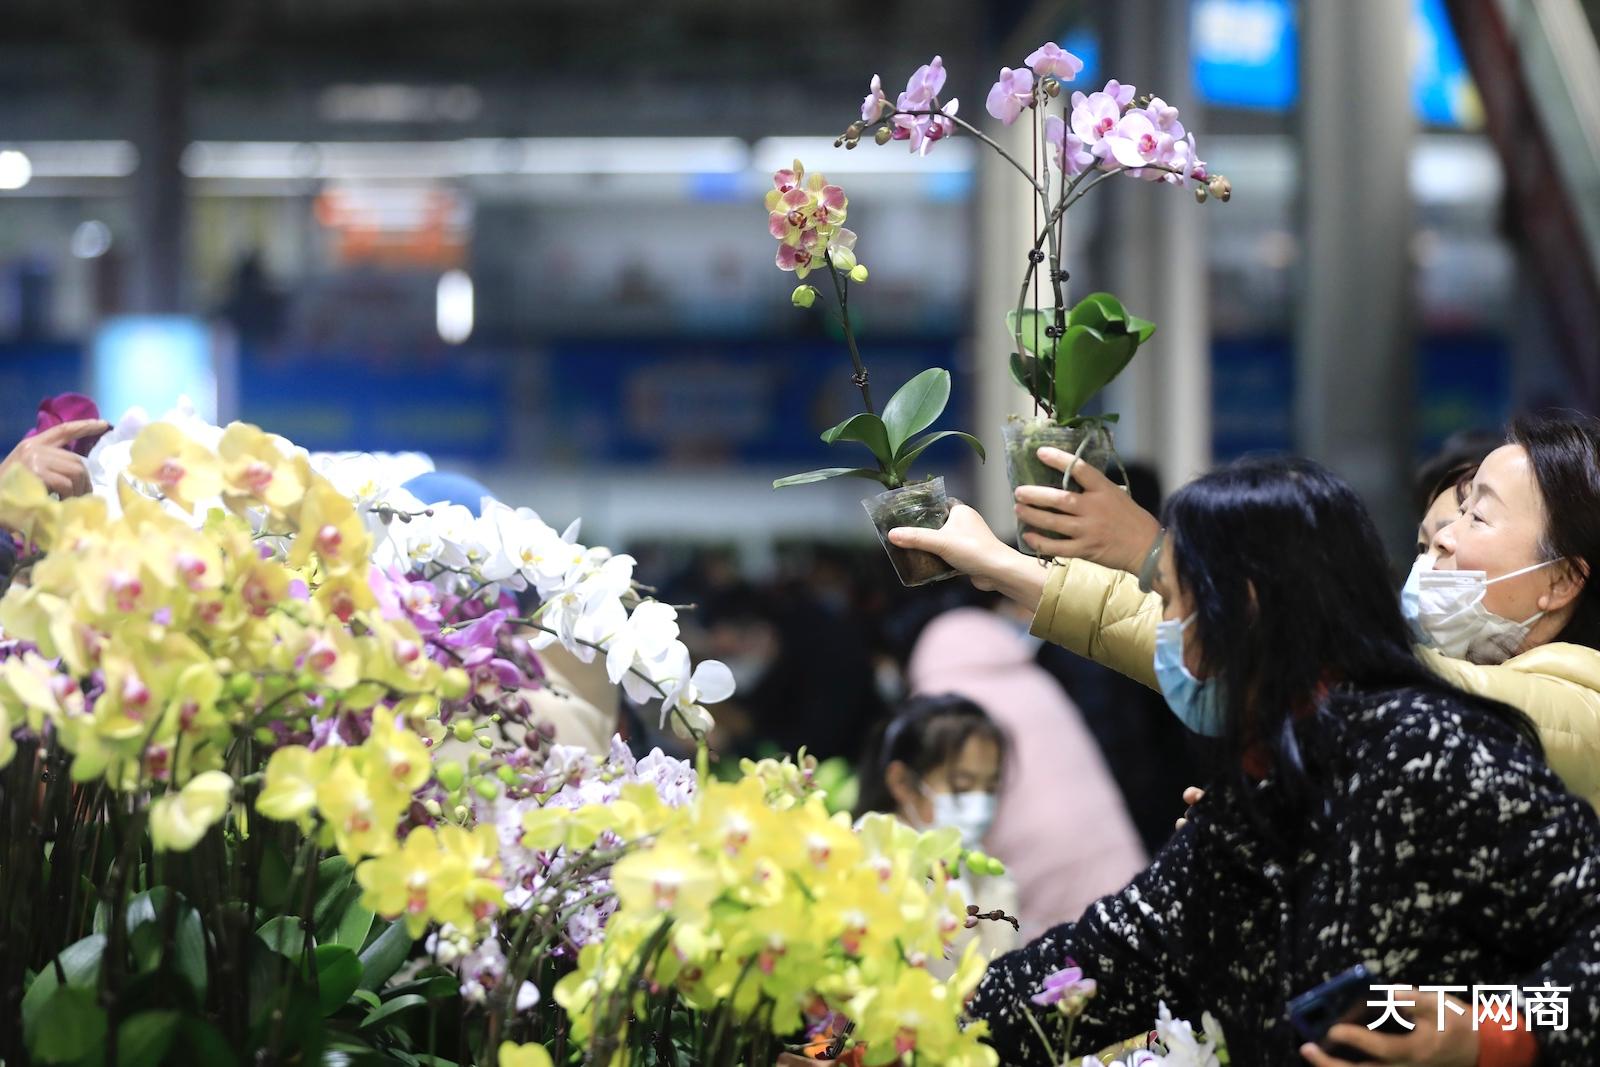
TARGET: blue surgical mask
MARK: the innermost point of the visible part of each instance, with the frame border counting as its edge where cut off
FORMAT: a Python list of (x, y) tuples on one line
[(1196, 703)]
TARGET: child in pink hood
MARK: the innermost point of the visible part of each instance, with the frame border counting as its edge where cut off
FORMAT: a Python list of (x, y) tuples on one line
[(1061, 827)]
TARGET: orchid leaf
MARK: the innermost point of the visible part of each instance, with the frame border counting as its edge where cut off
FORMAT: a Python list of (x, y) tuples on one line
[(1102, 311), (826, 473), (1140, 328), (866, 428), (920, 445), (1086, 361), (1029, 330), (916, 406)]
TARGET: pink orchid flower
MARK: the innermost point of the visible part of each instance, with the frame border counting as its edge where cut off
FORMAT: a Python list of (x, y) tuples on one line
[(1010, 94), (1051, 58)]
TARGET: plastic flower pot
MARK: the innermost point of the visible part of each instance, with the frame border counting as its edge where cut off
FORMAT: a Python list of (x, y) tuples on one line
[(924, 505), (1023, 439)]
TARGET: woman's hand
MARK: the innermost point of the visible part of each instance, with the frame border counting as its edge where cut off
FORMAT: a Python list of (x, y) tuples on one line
[(47, 454), (1101, 524), (1426, 1046), (967, 544), (1191, 797)]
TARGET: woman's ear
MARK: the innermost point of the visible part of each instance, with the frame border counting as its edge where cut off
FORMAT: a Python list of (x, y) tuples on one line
[(903, 787), (1567, 581)]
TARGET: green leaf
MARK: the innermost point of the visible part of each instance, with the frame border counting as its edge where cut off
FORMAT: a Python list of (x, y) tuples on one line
[(1140, 328), (866, 428), (391, 1008), (1087, 360), (828, 472), (1102, 311), (143, 1039), (284, 934), (338, 975), (67, 1026), (81, 963), (333, 881), (1028, 330), (201, 1042), (384, 956), (916, 406), (920, 445), (367, 997), (354, 926)]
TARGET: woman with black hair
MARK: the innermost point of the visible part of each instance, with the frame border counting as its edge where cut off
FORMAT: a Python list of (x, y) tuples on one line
[(1372, 813), (1511, 622), (938, 762)]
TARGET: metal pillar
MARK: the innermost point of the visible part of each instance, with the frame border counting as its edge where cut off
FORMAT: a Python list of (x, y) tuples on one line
[(1156, 259), (159, 190), (1353, 352), (1005, 219)]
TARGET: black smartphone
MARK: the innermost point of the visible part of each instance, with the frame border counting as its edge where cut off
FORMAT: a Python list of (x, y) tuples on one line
[(1341, 999)]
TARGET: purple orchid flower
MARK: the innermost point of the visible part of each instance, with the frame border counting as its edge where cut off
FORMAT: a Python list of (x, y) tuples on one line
[(1064, 985), (1051, 58)]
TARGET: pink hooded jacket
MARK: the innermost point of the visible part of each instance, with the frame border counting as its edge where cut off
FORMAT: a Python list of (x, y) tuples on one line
[(1060, 828)]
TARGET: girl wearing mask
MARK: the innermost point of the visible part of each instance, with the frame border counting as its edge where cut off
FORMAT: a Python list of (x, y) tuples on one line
[(939, 763), (1371, 813), (1500, 603)]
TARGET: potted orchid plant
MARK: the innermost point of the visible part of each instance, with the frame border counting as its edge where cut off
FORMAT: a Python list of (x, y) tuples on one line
[(806, 215), (1062, 355)]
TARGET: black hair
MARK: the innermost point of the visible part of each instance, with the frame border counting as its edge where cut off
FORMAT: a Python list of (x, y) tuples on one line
[(1289, 584), (1452, 467), (1564, 450), (925, 733)]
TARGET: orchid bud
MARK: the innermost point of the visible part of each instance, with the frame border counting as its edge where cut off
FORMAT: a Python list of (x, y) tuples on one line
[(462, 728), (1052, 87), (433, 808), (884, 135), (803, 296), (450, 775), (1221, 188), (842, 258), (485, 742), (853, 131), (1199, 194), (486, 788), (858, 273), (506, 774)]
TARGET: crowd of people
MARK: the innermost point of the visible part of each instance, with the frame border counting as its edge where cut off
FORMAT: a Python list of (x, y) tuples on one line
[(1405, 779)]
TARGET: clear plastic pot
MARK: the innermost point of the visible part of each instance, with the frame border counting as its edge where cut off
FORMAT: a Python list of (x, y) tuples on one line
[(924, 505), (1023, 439)]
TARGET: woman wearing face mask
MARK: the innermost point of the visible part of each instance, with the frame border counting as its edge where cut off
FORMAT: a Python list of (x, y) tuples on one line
[(1532, 636), (938, 763), (1371, 813)]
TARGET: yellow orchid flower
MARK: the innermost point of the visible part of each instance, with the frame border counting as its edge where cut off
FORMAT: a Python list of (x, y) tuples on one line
[(292, 776), (27, 507), (178, 821), (254, 467), (179, 467), (514, 1055)]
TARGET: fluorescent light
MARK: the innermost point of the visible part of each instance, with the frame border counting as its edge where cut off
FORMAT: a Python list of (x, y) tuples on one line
[(453, 306), (91, 240), (15, 169), (81, 159), (818, 153)]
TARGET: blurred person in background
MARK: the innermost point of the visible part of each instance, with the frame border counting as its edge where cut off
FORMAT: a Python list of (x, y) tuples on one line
[(1145, 748), (1060, 827), (804, 671), (939, 762), (1520, 623)]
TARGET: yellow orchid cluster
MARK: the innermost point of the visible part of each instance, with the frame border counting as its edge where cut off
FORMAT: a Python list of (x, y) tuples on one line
[(211, 603), (753, 899)]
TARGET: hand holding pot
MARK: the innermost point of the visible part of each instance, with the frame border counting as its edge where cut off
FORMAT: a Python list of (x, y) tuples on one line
[(1101, 524), (967, 544)]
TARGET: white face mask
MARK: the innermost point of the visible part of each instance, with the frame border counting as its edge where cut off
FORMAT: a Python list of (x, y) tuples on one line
[(970, 813), (1446, 612)]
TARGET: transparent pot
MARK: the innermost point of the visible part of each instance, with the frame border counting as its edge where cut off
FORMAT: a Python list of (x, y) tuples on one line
[(924, 505), (1091, 443)]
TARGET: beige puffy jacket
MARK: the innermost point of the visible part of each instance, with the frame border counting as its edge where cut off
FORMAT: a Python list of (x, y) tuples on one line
[(1101, 614)]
